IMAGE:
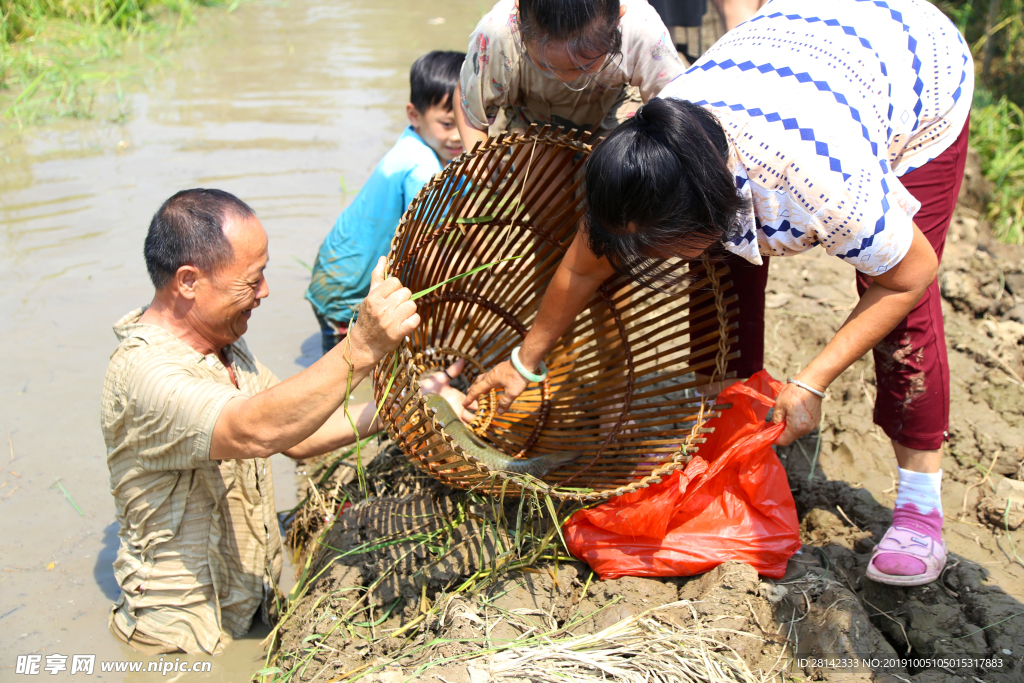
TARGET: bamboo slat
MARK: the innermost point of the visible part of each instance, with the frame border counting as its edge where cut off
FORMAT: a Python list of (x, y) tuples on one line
[(620, 385)]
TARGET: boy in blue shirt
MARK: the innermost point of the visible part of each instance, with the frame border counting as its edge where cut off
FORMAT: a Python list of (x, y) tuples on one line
[(363, 231)]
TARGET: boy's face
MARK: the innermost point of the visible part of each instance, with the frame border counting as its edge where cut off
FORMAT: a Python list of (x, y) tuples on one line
[(436, 126)]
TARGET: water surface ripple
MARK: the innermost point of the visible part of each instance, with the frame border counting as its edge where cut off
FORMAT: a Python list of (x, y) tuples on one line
[(283, 104)]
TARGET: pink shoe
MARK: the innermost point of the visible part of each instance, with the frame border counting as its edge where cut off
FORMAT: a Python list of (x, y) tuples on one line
[(903, 541)]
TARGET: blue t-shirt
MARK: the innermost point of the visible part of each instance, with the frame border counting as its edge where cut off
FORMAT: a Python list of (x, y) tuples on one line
[(363, 231)]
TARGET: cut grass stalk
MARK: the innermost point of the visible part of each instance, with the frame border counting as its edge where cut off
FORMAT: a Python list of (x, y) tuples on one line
[(640, 648), (305, 581), (1009, 540), (817, 445), (428, 290), (58, 482), (360, 474), (302, 263)]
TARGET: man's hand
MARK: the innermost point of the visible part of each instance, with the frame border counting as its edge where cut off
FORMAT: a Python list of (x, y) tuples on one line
[(386, 316), (501, 376), (440, 383), (801, 411)]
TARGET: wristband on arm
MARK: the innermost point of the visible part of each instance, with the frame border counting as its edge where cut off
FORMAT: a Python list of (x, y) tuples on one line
[(518, 365), (819, 394)]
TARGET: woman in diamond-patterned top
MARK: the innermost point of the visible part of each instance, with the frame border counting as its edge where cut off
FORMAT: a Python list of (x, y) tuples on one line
[(841, 125)]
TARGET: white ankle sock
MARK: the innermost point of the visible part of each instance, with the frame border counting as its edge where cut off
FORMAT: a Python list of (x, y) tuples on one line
[(922, 489)]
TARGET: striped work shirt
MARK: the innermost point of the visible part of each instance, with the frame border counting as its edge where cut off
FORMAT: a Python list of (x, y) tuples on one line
[(199, 539), (826, 105)]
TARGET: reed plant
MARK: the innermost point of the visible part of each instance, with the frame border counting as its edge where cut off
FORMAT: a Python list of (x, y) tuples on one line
[(56, 55)]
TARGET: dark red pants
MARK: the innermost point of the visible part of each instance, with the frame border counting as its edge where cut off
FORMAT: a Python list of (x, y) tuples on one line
[(911, 367)]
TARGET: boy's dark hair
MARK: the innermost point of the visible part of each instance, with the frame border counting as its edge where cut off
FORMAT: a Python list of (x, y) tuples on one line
[(433, 78), (660, 183), (189, 230), (588, 29)]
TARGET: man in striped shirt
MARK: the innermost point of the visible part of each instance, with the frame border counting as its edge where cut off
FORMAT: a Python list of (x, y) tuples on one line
[(189, 417)]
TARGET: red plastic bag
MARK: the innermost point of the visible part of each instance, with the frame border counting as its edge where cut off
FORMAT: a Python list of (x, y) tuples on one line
[(731, 502)]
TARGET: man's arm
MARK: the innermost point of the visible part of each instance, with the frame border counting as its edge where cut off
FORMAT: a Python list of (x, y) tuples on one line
[(277, 420), (337, 431)]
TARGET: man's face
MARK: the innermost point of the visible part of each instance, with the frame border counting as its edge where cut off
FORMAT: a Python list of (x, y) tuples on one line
[(225, 299), (437, 127)]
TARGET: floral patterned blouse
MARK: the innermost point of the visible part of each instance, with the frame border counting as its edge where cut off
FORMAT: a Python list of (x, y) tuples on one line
[(502, 89)]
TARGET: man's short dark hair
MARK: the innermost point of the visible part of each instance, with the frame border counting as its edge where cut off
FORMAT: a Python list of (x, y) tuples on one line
[(188, 230), (433, 78)]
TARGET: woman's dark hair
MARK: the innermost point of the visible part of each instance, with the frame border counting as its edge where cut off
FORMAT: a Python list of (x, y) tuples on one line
[(660, 183), (588, 29), (433, 78), (189, 230)]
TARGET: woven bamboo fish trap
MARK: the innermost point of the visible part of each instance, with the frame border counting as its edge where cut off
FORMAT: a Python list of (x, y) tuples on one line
[(618, 380)]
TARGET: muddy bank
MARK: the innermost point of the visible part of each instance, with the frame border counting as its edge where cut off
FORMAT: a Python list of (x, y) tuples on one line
[(407, 585), (845, 500), (406, 597)]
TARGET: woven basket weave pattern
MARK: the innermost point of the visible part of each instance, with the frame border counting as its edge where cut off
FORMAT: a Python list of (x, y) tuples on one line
[(618, 379)]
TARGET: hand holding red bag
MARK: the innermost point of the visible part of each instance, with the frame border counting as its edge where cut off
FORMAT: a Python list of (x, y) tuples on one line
[(731, 502)]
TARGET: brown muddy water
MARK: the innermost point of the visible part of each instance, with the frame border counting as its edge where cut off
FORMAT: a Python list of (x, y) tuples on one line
[(289, 106)]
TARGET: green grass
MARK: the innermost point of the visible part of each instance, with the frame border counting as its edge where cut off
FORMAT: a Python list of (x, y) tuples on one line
[(997, 132), (995, 31), (996, 39), (57, 55)]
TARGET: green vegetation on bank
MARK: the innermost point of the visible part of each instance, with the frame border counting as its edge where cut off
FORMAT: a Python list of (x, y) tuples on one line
[(53, 52), (997, 132), (995, 31)]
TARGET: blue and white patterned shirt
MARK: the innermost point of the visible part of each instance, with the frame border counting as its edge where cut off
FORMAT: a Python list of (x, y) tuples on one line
[(826, 105)]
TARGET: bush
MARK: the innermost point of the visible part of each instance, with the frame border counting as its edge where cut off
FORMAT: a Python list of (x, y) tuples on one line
[(995, 31), (997, 132), (49, 49)]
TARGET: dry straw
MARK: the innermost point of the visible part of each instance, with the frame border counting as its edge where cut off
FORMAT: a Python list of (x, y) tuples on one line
[(639, 649), (621, 383)]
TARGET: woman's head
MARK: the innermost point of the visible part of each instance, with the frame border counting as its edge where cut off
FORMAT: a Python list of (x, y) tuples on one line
[(570, 39), (659, 187)]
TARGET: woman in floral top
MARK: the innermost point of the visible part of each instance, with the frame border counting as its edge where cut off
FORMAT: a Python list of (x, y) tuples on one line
[(586, 64)]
